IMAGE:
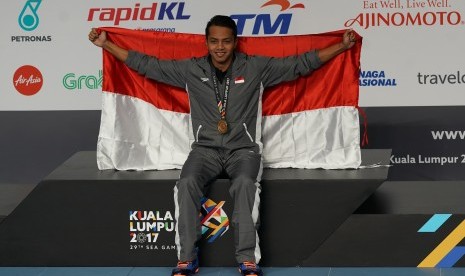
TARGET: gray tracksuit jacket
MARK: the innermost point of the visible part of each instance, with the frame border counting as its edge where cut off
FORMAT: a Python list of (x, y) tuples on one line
[(250, 75)]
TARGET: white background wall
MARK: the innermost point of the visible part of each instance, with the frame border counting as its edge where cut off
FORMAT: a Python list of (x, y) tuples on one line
[(421, 37)]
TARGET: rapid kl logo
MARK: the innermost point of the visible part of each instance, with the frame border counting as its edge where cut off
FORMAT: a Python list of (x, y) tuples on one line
[(155, 11), (28, 19), (265, 22)]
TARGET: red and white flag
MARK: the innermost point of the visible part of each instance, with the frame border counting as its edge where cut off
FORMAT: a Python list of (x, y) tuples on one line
[(311, 122)]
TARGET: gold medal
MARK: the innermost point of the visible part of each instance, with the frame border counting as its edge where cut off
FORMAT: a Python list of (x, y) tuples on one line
[(222, 126)]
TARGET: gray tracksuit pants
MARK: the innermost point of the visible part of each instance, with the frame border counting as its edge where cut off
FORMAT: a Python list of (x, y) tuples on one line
[(201, 168)]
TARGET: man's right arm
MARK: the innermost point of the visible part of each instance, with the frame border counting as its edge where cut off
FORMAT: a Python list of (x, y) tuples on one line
[(100, 40), (167, 71)]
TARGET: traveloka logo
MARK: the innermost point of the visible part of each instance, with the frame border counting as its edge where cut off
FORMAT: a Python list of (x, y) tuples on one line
[(375, 78), (215, 222), (145, 228), (264, 22), (73, 82), (394, 13), (28, 19), (441, 79), (155, 11)]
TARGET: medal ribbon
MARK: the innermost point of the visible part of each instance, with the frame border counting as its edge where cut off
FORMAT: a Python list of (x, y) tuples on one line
[(221, 104)]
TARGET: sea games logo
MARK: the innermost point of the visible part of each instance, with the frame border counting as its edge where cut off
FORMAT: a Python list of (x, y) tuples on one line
[(28, 20), (151, 12), (264, 22), (145, 228), (401, 13), (28, 80), (214, 220)]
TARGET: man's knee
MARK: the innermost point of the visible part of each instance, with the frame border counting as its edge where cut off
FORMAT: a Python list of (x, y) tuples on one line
[(243, 183), (188, 183)]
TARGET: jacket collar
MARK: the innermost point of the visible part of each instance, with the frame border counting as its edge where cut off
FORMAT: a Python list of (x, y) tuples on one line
[(238, 61)]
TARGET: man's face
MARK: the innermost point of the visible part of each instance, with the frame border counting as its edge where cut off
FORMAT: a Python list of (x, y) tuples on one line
[(221, 45)]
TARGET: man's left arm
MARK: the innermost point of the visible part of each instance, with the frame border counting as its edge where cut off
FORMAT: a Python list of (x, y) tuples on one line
[(277, 70), (348, 40)]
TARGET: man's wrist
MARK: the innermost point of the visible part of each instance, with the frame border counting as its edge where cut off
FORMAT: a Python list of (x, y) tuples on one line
[(105, 44), (343, 46)]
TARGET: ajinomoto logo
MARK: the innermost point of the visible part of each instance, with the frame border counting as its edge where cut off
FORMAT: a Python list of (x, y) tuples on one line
[(264, 22), (406, 13), (28, 19), (27, 80)]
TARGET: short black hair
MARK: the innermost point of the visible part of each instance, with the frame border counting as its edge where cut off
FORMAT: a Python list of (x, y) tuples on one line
[(222, 21)]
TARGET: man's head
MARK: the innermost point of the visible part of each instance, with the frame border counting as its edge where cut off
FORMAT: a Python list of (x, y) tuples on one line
[(222, 21), (221, 35)]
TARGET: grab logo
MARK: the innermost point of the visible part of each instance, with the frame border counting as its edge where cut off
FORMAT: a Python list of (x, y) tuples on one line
[(27, 80)]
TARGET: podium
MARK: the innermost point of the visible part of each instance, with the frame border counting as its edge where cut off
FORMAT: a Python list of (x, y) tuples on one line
[(80, 216)]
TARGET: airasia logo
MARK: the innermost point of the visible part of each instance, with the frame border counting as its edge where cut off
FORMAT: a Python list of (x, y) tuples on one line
[(28, 80)]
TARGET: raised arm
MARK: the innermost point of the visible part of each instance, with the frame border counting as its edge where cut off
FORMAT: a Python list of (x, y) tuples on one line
[(100, 40), (348, 40)]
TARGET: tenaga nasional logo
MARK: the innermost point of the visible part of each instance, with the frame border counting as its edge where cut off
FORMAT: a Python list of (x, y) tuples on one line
[(28, 20), (376, 78), (28, 80)]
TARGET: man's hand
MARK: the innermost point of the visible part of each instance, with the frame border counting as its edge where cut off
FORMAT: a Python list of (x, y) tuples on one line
[(96, 39), (100, 40), (348, 39)]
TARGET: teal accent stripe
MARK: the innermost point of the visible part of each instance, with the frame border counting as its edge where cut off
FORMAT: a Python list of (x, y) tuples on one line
[(433, 224)]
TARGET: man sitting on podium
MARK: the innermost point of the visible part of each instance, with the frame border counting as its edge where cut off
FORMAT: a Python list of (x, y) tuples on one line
[(224, 89)]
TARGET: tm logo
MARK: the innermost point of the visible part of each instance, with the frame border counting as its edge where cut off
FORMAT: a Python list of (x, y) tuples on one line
[(263, 21), (28, 19)]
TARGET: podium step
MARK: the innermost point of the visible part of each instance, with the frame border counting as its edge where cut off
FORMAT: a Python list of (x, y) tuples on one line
[(80, 216)]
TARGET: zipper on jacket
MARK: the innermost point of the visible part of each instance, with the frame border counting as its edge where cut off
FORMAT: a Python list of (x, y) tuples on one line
[(197, 134), (248, 134)]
